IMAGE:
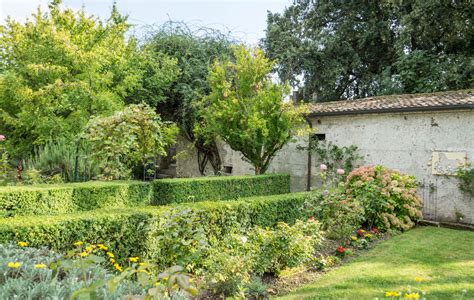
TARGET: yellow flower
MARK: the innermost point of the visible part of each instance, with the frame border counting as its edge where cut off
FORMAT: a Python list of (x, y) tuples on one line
[(40, 266), (110, 254), (133, 259), (142, 264), (84, 254), (78, 243), (88, 248), (392, 294), (419, 279), (22, 244), (118, 267), (354, 238), (102, 247), (145, 271), (368, 235), (14, 265), (112, 260), (412, 296)]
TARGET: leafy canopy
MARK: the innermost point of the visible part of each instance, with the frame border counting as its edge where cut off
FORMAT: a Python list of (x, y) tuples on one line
[(246, 109), (353, 49), (127, 138), (194, 49), (61, 67)]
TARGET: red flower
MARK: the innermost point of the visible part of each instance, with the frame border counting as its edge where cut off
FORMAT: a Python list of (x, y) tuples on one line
[(311, 218), (374, 230), (361, 232), (340, 249)]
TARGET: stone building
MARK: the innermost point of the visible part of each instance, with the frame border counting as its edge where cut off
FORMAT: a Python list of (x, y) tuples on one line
[(426, 135)]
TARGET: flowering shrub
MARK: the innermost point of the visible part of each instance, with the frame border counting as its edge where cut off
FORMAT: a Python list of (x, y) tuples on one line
[(338, 214), (30, 273), (389, 198)]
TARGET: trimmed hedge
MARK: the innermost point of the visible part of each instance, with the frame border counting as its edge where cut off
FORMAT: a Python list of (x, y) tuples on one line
[(134, 231), (166, 191), (72, 197)]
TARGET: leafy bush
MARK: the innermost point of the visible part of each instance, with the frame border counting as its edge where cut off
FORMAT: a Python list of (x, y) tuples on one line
[(134, 231), (218, 188), (338, 214), (231, 261), (466, 179), (25, 273), (30, 273), (131, 137), (59, 158), (72, 197), (389, 198)]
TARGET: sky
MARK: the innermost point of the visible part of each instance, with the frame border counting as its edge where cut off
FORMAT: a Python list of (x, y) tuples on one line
[(245, 19)]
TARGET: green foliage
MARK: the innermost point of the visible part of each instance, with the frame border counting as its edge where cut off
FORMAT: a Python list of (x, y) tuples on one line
[(43, 274), (72, 197), (233, 259), (30, 282), (352, 49), (338, 214), (194, 49), (167, 191), (466, 179), (4, 159), (246, 109), (59, 158), (61, 67), (133, 231), (389, 198), (335, 157), (130, 137)]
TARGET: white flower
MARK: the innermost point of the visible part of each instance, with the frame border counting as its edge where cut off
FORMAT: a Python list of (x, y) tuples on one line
[(244, 239)]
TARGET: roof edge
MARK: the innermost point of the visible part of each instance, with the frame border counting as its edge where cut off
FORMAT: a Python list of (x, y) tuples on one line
[(393, 110)]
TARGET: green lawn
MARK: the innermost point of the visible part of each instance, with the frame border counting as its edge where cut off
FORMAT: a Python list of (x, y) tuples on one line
[(444, 257)]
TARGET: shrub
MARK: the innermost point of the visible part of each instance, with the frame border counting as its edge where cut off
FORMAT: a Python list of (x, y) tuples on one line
[(389, 198), (26, 281), (30, 273), (73, 197), (134, 231), (232, 260), (133, 136), (466, 179), (167, 191), (338, 214)]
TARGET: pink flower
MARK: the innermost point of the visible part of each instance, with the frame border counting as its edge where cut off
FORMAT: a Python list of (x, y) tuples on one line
[(323, 167), (2, 138), (340, 171)]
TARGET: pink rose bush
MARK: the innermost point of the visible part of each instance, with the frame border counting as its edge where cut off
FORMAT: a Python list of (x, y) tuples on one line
[(389, 198), (2, 138)]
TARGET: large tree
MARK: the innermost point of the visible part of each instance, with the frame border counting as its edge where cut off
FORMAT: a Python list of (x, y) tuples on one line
[(352, 49), (61, 67), (247, 110), (195, 49)]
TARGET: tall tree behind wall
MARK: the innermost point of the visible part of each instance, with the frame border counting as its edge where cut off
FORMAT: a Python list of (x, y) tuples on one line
[(353, 49), (195, 49)]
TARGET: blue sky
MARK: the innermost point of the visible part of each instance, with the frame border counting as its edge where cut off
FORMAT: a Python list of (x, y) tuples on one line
[(246, 19)]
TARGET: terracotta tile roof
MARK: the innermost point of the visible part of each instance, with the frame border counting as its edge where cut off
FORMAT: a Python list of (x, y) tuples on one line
[(393, 103)]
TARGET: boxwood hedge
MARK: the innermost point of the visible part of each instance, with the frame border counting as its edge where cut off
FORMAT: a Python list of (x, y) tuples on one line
[(180, 190), (72, 197), (134, 231)]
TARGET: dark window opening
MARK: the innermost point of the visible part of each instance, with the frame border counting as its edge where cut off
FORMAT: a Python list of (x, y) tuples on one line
[(228, 169), (319, 137)]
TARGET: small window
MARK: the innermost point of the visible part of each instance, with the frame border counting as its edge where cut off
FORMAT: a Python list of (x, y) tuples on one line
[(228, 169), (319, 137)]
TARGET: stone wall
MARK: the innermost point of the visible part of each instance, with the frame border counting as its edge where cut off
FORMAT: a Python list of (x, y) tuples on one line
[(408, 142), (402, 141)]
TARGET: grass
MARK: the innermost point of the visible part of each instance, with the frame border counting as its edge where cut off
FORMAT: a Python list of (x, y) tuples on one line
[(444, 258)]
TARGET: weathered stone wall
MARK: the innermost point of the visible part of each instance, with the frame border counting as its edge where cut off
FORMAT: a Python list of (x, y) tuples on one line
[(406, 141), (402, 141)]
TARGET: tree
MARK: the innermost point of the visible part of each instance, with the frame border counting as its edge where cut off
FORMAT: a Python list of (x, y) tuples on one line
[(128, 138), (353, 49), (194, 49), (61, 67), (246, 109)]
